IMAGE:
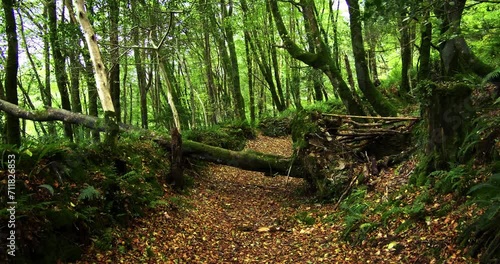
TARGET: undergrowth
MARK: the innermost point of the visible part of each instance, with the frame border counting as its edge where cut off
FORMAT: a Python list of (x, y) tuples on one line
[(69, 195)]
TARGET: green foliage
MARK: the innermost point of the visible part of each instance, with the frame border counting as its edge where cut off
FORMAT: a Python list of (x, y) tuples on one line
[(233, 138), (480, 143), (354, 207), (483, 234), (305, 218), (89, 193), (275, 126), (55, 176), (414, 211), (458, 180)]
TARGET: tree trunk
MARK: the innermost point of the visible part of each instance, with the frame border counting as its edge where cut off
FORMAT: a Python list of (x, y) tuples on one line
[(176, 177), (11, 67), (59, 64), (448, 118), (405, 44), (424, 70), (381, 105), (251, 95), (114, 73), (456, 56), (322, 59), (101, 75)]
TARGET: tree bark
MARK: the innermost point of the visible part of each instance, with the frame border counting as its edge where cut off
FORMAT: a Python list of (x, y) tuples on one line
[(424, 70), (380, 104), (59, 64), (322, 59), (101, 75), (11, 67), (114, 73), (405, 44), (456, 56), (239, 103), (250, 78)]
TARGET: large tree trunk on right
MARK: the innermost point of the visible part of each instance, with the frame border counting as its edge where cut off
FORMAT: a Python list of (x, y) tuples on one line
[(456, 56)]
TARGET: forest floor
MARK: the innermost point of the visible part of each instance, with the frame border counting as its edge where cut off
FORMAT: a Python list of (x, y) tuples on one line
[(236, 216)]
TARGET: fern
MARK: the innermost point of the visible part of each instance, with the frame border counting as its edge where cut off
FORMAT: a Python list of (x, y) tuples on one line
[(483, 235), (492, 75), (89, 193)]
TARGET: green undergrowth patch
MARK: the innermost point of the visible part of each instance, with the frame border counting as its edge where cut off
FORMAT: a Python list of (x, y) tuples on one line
[(70, 195), (231, 136)]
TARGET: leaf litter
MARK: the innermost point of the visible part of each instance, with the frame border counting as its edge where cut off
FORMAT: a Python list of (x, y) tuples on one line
[(237, 216)]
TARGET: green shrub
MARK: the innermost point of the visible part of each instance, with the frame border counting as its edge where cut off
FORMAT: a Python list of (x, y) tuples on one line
[(483, 234), (227, 138)]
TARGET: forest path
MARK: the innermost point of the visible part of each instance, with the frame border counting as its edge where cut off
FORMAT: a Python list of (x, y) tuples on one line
[(236, 216)]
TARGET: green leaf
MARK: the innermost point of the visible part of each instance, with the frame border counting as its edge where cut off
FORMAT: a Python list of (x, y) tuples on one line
[(48, 187)]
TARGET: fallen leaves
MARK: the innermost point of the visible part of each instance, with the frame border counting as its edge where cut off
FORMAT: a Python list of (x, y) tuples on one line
[(238, 216)]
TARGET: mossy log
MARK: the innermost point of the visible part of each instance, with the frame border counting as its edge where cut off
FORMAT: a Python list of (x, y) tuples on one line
[(271, 165), (248, 160)]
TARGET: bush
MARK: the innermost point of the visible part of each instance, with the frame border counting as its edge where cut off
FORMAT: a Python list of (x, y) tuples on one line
[(483, 235), (69, 194)]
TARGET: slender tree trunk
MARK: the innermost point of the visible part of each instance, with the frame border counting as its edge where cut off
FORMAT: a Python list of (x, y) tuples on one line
[(250, 78), (91, 90), (239, 103), (141, 75), (424, 70), (405, 44), (114, 73), (46, 56), (11, 67), (211, 90), (75, 83), (376, 99), (101, 76), (59, 64), (274, 60)]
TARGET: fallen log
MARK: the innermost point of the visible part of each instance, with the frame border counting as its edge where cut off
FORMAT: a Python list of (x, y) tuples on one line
[(248, 160)]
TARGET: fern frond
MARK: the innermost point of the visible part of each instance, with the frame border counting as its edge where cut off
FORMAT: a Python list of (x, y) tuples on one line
[(89, 193), (492, 75)]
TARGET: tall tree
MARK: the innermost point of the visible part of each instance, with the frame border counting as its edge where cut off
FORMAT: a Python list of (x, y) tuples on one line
[(376, 99), (456, 56), (239, 103), (11, 67), (59, 63), (406, 50), (425, 47), (101, 76), (322, 58), (114, 72)]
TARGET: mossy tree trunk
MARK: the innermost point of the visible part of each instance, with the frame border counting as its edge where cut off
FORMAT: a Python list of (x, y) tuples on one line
[(13, 126), (381, 105), (176, 177), (424, 70), (456, 56), (321, 59), (447, 116)]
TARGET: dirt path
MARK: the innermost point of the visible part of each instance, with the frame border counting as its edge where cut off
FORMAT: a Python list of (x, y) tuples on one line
[(236, 216)]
